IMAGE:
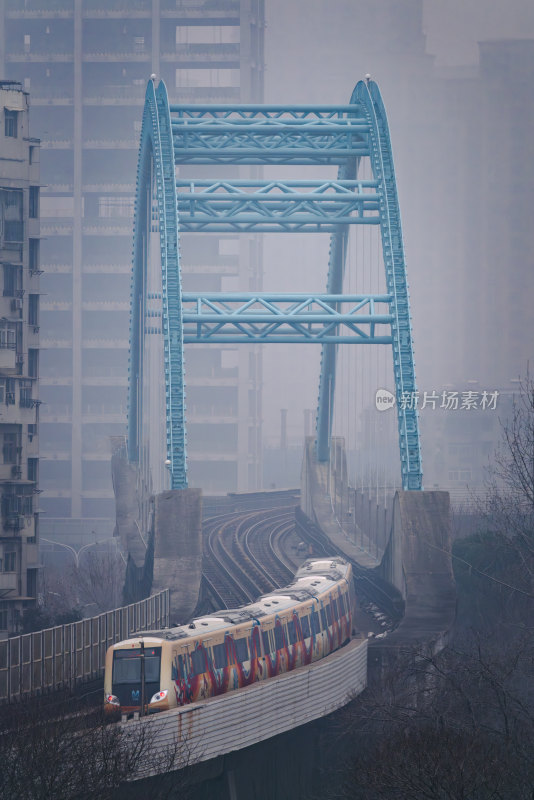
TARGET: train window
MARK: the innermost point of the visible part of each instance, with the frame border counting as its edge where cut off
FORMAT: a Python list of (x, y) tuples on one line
[(305, 625), (254, 643), (324, 621), (127, 665), (178, 669), (292, 631), (241, 650), (220, 656), (328, 613), (266, 642), (315, 622), (333, 603), (198, 661), (278, 637), (342, 604)]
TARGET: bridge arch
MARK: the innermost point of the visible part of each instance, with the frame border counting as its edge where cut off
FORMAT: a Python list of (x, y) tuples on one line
[(262, 134)]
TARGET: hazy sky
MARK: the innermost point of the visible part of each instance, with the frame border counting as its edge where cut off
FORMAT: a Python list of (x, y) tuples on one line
[(317, 50), (453, 27)]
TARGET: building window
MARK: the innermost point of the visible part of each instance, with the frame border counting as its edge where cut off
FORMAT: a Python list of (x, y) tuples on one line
[(9, 449), (115, 207), (26, 394), (33, 469), (31, 582), (34, 202), (33, 363), (8, 336), (34, 255), (10, 123), (11, 224), (10, 561), (3, 612), (33, 310), (207, 34), (12, 280)]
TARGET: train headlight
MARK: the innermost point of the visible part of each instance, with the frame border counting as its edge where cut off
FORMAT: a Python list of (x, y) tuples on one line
[(159, 696), (112, 700)]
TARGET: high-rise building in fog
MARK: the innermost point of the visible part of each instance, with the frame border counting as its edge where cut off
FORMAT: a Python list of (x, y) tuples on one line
[(87, 63), (19, 357)]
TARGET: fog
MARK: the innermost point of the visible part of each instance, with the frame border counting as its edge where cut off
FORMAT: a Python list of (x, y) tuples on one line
[(460, 116)]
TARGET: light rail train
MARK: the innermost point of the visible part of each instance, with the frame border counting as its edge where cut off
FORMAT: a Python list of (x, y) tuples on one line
[(282, 630)]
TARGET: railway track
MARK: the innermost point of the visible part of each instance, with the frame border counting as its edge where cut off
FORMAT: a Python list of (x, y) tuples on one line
[(245, 554), (248, 553)]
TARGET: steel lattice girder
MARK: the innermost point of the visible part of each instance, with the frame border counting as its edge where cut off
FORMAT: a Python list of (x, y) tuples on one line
[(254, 134), (220, 206), (267, 135), (300, 318)]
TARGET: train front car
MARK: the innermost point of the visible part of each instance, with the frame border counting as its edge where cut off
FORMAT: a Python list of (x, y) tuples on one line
[(135, 675), (283, 630)]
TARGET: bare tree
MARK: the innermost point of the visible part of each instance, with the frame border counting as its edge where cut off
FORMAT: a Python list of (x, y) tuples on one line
[(457, 726), (509, 502), (59, 752), (99, 580)]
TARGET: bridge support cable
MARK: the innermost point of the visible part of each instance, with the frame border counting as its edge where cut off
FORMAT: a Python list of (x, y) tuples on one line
[(323, 136)]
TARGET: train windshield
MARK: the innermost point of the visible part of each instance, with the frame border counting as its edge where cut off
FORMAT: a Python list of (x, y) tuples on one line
[(127, 666)]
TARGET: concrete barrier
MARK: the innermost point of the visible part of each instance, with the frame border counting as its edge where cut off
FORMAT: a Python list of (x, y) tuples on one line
[(255, 713)]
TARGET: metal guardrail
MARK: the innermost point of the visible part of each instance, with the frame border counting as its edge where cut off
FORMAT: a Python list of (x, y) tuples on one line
[(65, 656)]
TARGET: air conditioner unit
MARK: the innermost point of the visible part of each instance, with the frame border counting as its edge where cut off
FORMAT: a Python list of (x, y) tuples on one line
[(20, 359), (16, 471), (16, 304)]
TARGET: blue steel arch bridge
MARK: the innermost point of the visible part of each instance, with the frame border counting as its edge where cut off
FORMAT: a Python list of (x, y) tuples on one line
[(355, 139)]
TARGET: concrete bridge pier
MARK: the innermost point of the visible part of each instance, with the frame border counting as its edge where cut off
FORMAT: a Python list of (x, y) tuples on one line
[(177, 548), (160, 536)]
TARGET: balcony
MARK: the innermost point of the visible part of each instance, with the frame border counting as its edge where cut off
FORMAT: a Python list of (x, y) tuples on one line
[(106, 227), (56, 412), (119, 9), (112, 379), (56, 305), (14, 522), (49, 96), (42, 57), (8, 582), (56, 229), (200, 9), (204, 54), (106, 305), (57, 144), (115, 96), (111, 144), (107, 269), (106, 344), (40, 9), (113, 56)]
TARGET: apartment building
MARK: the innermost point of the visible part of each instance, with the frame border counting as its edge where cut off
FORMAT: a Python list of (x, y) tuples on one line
[(19, 357), (87, 63)]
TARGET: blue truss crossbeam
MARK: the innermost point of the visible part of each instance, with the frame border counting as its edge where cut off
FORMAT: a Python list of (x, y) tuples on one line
[(297, 318), (259, 111), (261, 135), (341, 135), (276, 205)]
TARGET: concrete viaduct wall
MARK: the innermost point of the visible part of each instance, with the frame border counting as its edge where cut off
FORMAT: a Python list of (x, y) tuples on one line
[(416, 558)]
